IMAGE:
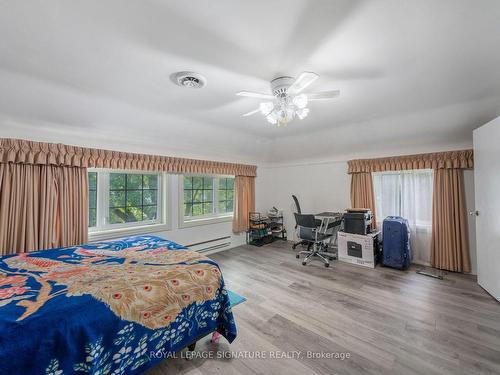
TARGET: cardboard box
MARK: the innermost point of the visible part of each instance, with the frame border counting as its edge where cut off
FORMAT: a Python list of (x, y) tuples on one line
[(358, 249)]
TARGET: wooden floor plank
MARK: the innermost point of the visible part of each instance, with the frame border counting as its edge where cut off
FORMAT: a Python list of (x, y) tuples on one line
[(389, 321)]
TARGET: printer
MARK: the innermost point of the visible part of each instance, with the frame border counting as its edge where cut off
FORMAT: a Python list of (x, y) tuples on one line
[(358, 221)]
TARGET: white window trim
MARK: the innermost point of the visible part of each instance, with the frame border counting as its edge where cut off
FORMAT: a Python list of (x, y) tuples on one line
[(185, 222), (122, 232), (104, 230)]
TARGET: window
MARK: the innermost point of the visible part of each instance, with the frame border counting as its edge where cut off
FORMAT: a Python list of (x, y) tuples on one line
[(132, 197), (226, 194), (124, 200), (408, 194), (198, 196), (206, 197), (92, 199)]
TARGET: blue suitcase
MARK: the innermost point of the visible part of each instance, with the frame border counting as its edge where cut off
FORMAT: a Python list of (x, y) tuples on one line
[(396, 242)]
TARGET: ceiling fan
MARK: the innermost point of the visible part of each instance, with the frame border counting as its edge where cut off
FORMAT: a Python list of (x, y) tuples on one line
[(287, 100)]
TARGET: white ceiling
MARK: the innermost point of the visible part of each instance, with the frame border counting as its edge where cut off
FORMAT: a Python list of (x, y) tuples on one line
[(414, 75)]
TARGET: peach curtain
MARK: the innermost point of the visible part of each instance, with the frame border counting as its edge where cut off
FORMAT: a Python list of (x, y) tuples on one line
[(244, 202), (41, 207), (437, 160), (362, 195), (31, 152), (449, 246)]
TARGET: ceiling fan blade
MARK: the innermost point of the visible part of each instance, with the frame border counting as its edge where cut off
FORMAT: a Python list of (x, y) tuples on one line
[(251, 112), (251, 94), (302, 81), (323, 95)]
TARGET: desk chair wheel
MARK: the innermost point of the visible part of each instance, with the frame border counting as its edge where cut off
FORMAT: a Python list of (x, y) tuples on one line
[(297, 256), (294, 246), (304, 263), (327, 265)]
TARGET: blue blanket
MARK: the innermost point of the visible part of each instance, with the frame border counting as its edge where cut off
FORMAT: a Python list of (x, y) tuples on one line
[(113, 307)]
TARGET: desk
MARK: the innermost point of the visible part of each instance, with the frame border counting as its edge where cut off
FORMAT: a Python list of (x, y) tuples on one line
[(329, 223), (328, 219), (329, 214)]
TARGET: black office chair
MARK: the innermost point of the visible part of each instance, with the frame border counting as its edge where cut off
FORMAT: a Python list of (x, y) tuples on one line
[(314, 236), (297, 205), (298, 210)]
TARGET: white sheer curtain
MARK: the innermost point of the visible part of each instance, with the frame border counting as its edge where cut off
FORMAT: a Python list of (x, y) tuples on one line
[(408, 194)]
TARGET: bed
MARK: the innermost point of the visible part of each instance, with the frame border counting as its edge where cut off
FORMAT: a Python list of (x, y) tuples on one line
[(115, 307)]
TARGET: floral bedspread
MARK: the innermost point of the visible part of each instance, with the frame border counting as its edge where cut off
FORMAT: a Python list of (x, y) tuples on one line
[(107, 308)]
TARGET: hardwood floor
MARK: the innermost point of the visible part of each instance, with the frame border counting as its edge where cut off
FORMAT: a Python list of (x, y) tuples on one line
[(389, 321)]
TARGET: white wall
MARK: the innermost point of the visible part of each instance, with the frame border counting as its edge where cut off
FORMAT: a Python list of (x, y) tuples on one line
[(326, 187), (319, 187)]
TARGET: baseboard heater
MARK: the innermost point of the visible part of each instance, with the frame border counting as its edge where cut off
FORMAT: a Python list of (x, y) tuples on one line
[(211, 245)]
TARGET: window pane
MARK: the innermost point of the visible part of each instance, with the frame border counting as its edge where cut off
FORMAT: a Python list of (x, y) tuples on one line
[(133, 214), (226, 194), (150, 212), (117, 181), (92, 199), (134, 181), (134, 198), (222, 195), (92, 217), (188, 182), (208, 195), (222, 183), (207, 208), (92, 180), (208, 182), (117, 215), (197, 196), (187, 209), (116, 198), (188, 196), (150, 181), (225, 206), (197, 182), (149, 197), (92, 192), (197, 209)]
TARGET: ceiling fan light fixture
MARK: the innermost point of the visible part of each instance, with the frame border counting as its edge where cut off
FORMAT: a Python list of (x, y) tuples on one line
[(302, 113), (288, 101), (300, 101), (266, 108), (302, 81), (272, 118)]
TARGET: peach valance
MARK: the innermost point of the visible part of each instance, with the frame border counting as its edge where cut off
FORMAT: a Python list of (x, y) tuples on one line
[(463, 159), (41, 153)]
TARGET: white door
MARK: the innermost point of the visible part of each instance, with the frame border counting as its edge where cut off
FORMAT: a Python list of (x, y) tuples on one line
[(487, 187)]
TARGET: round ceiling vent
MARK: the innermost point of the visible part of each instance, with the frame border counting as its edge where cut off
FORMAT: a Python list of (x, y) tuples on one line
[(189, 79)]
